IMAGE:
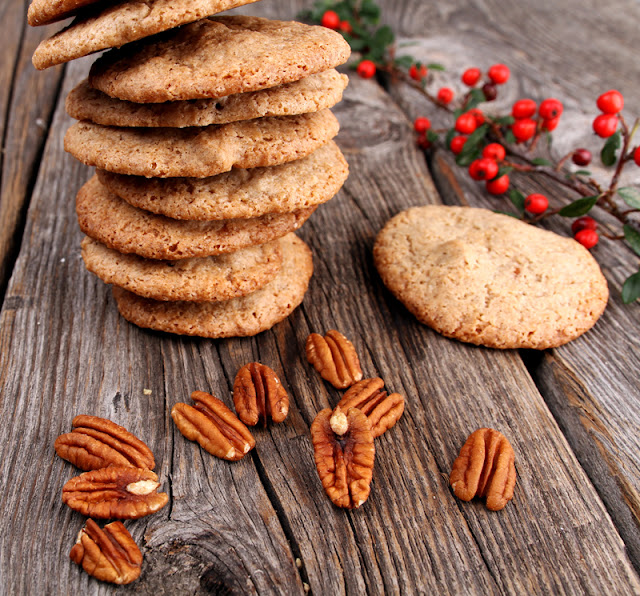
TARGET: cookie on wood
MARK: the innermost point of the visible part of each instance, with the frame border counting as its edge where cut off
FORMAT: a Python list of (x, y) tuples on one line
[(238, 317), (489, 279), (200, 152), (217, 57), (311, 94), (299, 184), (43, 12)]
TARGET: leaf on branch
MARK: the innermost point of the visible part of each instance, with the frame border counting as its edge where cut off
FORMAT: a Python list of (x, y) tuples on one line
[(608, 155), (580, 207), (515, 215), (370, 11), (517, 198), (510, 138), (432, 137), (541, 161), (384, 36), (582, 173), (632, 236), (476, 97), (631, 288), (505, 120), (471, 147), (404, 61), (631, 196), (435, 66), (504, 170)]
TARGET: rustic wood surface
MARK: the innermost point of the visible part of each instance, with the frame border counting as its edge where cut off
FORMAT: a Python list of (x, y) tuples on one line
[(263, 525)]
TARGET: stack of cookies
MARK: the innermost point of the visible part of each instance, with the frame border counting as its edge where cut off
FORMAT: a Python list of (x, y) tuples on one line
[(212, 143)]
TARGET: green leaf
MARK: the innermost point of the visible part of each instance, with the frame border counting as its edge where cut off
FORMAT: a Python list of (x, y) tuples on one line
[(631, 288), (503, 170), (517, 198), (357, 44), (540, 161), (404, 61), (476, 97), (515, 215), (435, 66), (370, 12), (631, 196), (447, 139), (504, 120), (579, 207), (432, 137), (471, 148), (384, 36), (582, 173), (632, 236), (509, 137), (608, 155)]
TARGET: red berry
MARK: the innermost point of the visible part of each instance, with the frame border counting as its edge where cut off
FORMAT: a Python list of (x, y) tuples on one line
[(478, 115), (581, 157), (550, 124), (445, 95), (610, 102), (586, 222), (457, 143), (490, 91), (345, 27), (499, 74), (636, 155), (471, 76), (605, 125), (484, 168), (498, 186), (494, 151), (423, 141), (588, 238), (417, 73), (330, 19), (523, 129), (466, 123), (422, 124), (366, 69), (550, 108), (536, 203), (524, 108)]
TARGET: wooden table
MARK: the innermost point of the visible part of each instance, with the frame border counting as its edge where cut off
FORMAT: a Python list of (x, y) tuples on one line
[(264, 525)]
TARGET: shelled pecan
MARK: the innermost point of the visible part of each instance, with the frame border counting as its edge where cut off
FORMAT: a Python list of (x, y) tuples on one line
[(259, 395), (109, 554), (214, 426), (96, 443), (118, 492), (485, 468), (382, 410), (344, 455), (335, 358)]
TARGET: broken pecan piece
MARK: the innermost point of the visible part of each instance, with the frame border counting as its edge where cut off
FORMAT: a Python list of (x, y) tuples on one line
[(485, 468), (382, 410), (344, 454), (109, 554), (214, 426), (96, 443), (335, 358), (258, 395), (120, 492)]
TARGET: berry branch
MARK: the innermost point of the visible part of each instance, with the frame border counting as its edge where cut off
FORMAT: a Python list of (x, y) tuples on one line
[(491, 147)]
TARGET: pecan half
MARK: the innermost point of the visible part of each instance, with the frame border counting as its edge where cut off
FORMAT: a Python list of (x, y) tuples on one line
[(258, 395), (485, 468), (382, 410), (108, 554), (344, 454), (335, 358), (214, 426), (119, 492), (96, 443)]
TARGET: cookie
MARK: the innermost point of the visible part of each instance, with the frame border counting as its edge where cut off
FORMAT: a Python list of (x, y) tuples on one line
[(44, 12), (111, 25), (209, 279), (113, 222), (489, 279), (311, 94), (238, 317), (217, 57), (299, 184), (200, 152)]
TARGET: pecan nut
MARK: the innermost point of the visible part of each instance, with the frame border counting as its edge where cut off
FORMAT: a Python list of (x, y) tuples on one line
[(485, 468), (214, 426), (335, 358), (258, 394), (96, 443), (115, 492), (344, 455), (109, 554), (382, 410)]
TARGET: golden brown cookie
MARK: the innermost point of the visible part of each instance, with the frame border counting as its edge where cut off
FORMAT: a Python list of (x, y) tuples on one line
[(489, 279), (299, 184), (114, 24), (311, 94), (43, 12), (243, 316), (217, 57), (200, 152), (202, 279), (113, 222)]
